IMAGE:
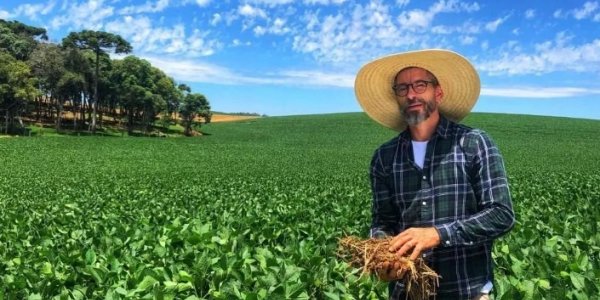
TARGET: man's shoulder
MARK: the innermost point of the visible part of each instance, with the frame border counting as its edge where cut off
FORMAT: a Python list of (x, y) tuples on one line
[(462, 130), (391, 143)]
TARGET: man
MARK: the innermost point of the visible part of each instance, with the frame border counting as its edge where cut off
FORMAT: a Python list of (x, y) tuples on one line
[(439, 188)]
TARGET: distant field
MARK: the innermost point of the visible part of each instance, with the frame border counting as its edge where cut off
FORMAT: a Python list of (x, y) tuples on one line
[(253, 210), (228, 118)]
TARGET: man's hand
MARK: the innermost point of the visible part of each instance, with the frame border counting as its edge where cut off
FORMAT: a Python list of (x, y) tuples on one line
[(390, 271), (415, 238)]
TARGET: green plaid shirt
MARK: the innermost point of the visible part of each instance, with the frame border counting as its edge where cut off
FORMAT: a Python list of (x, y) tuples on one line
[(462, 191)]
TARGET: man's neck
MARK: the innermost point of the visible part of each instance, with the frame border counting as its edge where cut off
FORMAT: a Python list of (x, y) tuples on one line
[(424, 130)]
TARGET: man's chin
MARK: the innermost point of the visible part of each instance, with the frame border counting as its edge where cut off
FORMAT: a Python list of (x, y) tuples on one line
[(413, 119)]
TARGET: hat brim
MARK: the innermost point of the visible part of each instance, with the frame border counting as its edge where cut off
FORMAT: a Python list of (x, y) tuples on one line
[(457, 77)]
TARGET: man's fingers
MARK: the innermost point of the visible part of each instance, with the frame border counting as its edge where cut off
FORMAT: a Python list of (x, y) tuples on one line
[(416, 252), (404, 249), (398, 242)]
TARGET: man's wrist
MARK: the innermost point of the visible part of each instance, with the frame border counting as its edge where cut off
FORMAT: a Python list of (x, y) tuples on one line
[(444, 235)]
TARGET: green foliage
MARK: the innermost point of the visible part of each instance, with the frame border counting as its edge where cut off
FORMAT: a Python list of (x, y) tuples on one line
[(19, 39), (254, 211), (194, 105)]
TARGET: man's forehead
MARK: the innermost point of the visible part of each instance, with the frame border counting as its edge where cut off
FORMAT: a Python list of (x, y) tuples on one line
[(412, 71)]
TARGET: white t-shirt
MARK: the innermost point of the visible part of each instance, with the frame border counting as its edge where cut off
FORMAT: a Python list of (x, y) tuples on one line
[(419, 149)]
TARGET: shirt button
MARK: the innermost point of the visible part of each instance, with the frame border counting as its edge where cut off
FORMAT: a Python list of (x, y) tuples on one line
[(424, 177), (424, 203), (447, 242)]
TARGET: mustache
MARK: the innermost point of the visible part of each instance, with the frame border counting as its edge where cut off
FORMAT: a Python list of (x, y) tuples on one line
[(408, 103)]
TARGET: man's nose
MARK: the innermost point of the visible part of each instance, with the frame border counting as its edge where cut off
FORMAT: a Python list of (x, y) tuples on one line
[(410, 93)]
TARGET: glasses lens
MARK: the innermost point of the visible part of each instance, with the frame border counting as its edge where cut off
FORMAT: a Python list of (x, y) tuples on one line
[(419, 87), (401, 89)]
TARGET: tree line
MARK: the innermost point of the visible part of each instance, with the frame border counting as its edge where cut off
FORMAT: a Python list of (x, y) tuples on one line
[(42, 82)]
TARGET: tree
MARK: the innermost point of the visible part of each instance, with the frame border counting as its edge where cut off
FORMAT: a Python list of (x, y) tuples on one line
[(69, 86), (141, 90), (47, 62), (100, 42), (17, 87), (19, 39), (194, 105), (76, 61)]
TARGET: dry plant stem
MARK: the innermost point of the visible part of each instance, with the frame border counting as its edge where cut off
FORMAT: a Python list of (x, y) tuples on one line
[(372, 255)]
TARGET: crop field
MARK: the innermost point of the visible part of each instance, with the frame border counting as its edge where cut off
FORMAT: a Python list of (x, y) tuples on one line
[(254, 210)]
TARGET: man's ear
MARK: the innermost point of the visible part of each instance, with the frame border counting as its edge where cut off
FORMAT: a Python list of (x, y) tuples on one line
[(439, 94)]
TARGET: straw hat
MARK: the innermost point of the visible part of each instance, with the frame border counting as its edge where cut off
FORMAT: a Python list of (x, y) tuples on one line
[(457, 77)]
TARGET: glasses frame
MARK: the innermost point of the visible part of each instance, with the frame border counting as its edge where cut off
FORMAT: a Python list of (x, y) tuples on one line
[(408, 86)]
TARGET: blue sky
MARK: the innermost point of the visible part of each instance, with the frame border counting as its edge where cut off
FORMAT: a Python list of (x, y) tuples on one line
[(287, 57)]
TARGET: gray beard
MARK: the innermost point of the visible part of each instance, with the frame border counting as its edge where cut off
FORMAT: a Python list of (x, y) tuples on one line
[(414, 118)]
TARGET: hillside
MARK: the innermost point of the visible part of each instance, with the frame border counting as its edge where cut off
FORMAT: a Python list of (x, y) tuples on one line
[(528, 142)]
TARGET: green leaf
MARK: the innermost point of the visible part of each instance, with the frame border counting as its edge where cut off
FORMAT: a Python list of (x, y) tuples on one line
[(146, 283), (185, 276), (90, 257), (331, 295), (46, 268), (544, 284), (577, 280)]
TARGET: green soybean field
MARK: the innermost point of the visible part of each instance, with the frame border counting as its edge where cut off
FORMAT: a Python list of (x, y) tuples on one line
[(254, 210)]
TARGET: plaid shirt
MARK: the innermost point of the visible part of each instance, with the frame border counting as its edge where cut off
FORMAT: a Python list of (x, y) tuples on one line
[(462, 191)]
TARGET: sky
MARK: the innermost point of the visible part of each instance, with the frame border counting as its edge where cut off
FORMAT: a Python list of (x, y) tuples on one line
[(291, 57)]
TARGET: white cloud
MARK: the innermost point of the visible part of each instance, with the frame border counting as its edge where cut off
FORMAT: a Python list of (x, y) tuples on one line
[(324, 2), (279, 27), (202, 2), (467, 40), (237, 43), (493, 26), (420, 19), (586, 11), (148, 7), (216, 19), (259, 30), (549, 56), (360, 36), (89, 15), (530, 14), (318, 78), (402, 3), (247, 10), (539, 92), (197, 71), (5, 14), (145, 38), (558, 14), (31, 11), (270, 2), (468, 27)]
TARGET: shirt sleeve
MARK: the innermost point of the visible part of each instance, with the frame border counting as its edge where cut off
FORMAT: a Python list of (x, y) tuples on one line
[(488, 179), (384, 212)]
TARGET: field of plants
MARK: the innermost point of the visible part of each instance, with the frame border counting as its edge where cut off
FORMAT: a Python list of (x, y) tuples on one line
[(254, 210)]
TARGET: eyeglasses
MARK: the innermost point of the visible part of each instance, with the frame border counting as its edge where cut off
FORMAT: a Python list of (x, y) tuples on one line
[(418, 86)]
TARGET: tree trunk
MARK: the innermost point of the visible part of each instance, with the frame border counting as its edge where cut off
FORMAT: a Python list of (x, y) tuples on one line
[(95, 103), (59, 115)]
